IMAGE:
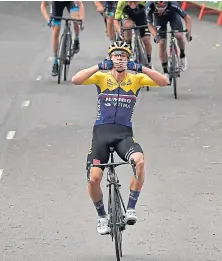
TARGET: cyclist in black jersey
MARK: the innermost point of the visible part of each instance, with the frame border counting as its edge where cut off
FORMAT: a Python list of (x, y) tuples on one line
[(76, 10), (117, 93), (163, 12), (107, 9), (128, 14)]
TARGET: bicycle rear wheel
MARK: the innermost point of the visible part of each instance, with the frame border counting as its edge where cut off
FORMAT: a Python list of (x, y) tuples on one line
[(68, 55), (62, 55), (116, 222)]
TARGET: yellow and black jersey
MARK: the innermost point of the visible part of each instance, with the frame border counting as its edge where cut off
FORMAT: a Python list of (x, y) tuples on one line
[(116, 101)]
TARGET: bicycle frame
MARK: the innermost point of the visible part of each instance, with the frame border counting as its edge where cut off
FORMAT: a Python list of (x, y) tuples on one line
[(116, 207), (65, 53), (173, 58), (173, 45), (112, 179), (137, 42)]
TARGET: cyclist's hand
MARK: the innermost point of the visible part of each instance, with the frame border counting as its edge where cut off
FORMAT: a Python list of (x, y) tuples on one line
[(132, 66), (49, 22), (189, 37), (106, 65), (157, 39)]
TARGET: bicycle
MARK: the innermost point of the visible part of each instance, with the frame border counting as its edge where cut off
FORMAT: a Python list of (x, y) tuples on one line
[(173, 59), (65, 47), (116, 207), (138, 48)]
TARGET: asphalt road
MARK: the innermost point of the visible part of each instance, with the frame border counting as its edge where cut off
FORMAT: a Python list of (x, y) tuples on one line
[(45, 132)]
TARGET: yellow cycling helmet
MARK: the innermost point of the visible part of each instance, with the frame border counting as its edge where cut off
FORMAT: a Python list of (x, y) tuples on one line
[(120, 46)]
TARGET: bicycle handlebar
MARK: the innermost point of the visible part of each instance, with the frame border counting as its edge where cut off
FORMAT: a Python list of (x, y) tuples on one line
[(116, 164), (66, 19), (134, 27), (172, 31)]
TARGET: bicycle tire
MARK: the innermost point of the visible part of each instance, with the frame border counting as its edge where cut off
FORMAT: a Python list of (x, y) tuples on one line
[(133, 45), (143, 57), (117, 233), (137, 53), (174, 77), (175, 86), (68, 55), (61, 56)]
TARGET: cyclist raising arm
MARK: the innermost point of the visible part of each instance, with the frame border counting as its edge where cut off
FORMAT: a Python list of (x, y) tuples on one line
[(117, 94), (164, 12), (76, 10)]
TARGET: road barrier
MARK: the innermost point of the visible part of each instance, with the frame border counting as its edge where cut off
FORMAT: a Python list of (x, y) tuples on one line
[(206, 7)]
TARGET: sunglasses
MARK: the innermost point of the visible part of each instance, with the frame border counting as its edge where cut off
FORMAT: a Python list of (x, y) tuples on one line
[(120, 53)]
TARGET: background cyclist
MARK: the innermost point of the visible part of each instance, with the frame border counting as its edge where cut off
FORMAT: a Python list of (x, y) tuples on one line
[(164, 12), (130, 13), (76, 10)]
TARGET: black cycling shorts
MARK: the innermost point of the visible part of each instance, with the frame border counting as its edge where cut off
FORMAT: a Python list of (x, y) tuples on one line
[(112, 135), (110, 7), (57, 8), (175, 23), (138, 16)]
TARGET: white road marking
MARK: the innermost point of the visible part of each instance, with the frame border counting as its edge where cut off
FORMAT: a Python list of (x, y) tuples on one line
[(1, 172), (26, 103), (10, 135), (38, 78), (215, 162)]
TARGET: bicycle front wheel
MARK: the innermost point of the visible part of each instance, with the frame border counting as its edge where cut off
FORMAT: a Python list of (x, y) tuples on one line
[(68, 55), (174, 73), (175, 86), (116, 222), (62, 55)]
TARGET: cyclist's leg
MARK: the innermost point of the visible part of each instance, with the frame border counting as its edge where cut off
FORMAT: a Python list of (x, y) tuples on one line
[(127, 149), (176, 24), (98, 153), (110, 12), (101, 5), (163, 43), (127, 23), (56, 10), (74, 13), (145, 35)]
